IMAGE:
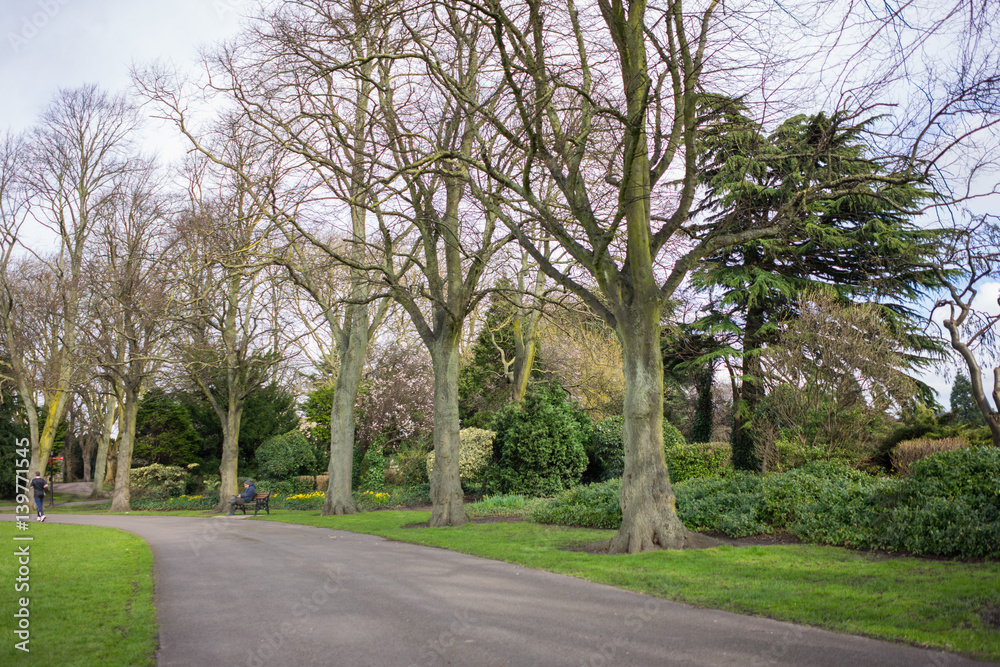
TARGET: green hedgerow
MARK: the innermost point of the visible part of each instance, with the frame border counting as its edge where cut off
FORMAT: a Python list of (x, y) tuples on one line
[(696, 459)]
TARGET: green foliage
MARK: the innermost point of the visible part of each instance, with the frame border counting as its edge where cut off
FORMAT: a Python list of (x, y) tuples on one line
[(513, 504), (474, 454), (164, 432), (607, 458), (282, 456), (539, 445), (605, 452), (373, 475), (592, 506), (483, 387), (408, 465), (691, 460), (317, 408), (853, 230), (268, 412), (963, 405), (949, 506), (159, 480), (13, 428)]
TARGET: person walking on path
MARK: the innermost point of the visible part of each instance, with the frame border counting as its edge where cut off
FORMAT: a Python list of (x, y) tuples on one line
[(38, 485)]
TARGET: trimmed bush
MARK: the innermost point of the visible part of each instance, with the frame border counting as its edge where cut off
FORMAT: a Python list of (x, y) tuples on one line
[(285, 455), (539, 445), (474, 454)]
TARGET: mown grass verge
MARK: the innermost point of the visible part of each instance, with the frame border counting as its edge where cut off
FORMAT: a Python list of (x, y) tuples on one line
[(934, 603), (90, 596)]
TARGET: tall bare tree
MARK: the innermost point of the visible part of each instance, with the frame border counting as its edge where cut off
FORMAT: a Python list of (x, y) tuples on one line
[(231, 325), (75, 157), (972, 262), (131, 304)]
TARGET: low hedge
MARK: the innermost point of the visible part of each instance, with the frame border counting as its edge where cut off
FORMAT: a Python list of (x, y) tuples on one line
[(949, 506)]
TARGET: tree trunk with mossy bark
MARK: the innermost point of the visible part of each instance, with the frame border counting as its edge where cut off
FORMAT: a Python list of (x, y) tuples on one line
[(649, 506), (339, 499), (447, 496), (121, 498)]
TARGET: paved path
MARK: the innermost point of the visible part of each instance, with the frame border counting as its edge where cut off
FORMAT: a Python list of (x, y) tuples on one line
[(326, 597)]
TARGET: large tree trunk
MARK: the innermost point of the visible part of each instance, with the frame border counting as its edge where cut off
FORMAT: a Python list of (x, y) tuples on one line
[(447, 496), (55, 410), (122, 494), (230, 457), (339, 499), (649, 507)]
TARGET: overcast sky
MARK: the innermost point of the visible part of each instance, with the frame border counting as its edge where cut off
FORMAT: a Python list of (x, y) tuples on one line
[(46, 45)]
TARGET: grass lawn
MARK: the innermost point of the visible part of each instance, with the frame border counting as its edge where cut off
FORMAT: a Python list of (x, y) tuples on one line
[(90, 596), (926, 602)]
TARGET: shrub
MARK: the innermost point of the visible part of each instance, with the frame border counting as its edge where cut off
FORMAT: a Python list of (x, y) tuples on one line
[(909, 452), (591, 506), (949, 506), (373, 477), (690, 460), (285, 455), (408, 466), (158, 480), (474, 454), (605, 453), (513, 504), (727, 505), (539, 445)]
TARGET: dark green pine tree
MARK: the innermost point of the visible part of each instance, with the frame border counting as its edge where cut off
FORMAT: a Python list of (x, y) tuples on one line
[(848, 229), (13, 429), (963, 405), (484, 381), (689, 360)]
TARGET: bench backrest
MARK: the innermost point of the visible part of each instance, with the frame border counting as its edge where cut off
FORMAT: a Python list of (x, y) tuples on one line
[(262, 496)]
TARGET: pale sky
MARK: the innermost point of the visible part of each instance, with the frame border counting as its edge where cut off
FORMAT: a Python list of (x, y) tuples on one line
[(46, 45)]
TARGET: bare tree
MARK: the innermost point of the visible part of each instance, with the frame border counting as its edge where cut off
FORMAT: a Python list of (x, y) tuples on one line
[(973, 260), (302, 79), (131, 304), (74, 159), (232, 328)]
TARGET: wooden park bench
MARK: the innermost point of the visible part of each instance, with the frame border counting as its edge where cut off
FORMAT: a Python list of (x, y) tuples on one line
[(261, 501)]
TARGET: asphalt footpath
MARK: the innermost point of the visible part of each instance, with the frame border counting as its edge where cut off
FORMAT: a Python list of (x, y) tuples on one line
[(243, 592)]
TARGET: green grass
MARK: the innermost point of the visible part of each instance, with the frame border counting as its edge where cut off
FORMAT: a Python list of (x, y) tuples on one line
[(933, 603), (90, 596)]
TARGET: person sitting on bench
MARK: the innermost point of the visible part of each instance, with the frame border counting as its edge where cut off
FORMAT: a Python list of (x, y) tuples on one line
[(249, 491)]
